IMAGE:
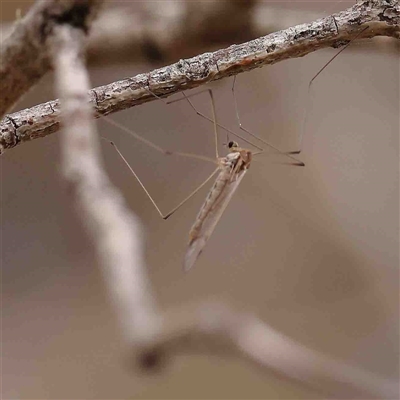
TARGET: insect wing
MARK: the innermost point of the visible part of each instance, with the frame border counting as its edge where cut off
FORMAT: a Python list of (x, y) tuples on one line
[(211, 219)]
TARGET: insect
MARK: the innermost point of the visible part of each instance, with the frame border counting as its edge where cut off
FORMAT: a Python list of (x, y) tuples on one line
[(231, 168)]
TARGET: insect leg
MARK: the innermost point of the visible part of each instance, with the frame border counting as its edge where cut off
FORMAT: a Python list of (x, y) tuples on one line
[(153, 145), (167, 215), (200, 114), (309, 92), (294, 161)]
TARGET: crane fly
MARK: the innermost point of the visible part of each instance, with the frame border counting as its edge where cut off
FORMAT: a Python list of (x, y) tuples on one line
[(231, 168)]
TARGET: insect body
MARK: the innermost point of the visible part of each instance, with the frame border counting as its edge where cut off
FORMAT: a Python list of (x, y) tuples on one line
[(232, 170)]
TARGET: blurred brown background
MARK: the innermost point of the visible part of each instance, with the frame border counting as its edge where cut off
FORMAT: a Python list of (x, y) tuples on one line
[(314, 251)]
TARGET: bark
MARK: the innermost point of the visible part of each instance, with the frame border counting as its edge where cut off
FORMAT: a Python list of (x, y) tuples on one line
[(24, 54), (366, 19)]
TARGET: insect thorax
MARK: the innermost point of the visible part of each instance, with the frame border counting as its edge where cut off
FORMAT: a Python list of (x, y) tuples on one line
[(238, 156)]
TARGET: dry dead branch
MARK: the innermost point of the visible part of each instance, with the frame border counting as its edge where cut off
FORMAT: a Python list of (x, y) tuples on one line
[(115, 231), (216, 328), (127, 31), (130, 32), (366, 19)]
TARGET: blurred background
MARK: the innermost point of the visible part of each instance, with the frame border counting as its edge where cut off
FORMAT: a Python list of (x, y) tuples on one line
[(313, 251)]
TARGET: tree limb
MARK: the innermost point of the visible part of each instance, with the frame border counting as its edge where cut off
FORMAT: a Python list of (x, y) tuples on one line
[(162, 32), (24, 57), (165, 31), (114, 230), (218, 329), (366, 19)]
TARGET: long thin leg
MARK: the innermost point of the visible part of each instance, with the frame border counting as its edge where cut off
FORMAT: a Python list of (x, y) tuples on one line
[(215, 123), (154, 146), (187, 97), (214, 114), (309, 91), (163, 216), (209, 119), (213, 120), (295, 161), (167, 152), (306, 110)]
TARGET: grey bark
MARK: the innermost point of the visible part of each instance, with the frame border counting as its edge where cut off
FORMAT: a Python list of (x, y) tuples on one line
[(24, 55), (366, 19)]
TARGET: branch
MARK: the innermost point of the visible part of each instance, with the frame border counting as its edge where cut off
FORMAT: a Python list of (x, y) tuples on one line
[(217, 329), (366, 19), (161, 32), (23, 55), (114, 230), (166, 31), (169, 30)]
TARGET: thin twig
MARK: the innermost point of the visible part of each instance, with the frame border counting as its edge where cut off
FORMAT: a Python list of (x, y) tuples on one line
[(381, 18), (23, 55)]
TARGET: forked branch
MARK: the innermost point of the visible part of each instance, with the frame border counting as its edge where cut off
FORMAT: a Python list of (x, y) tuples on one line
[(366, 19), (216, 328), (116, 234)]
